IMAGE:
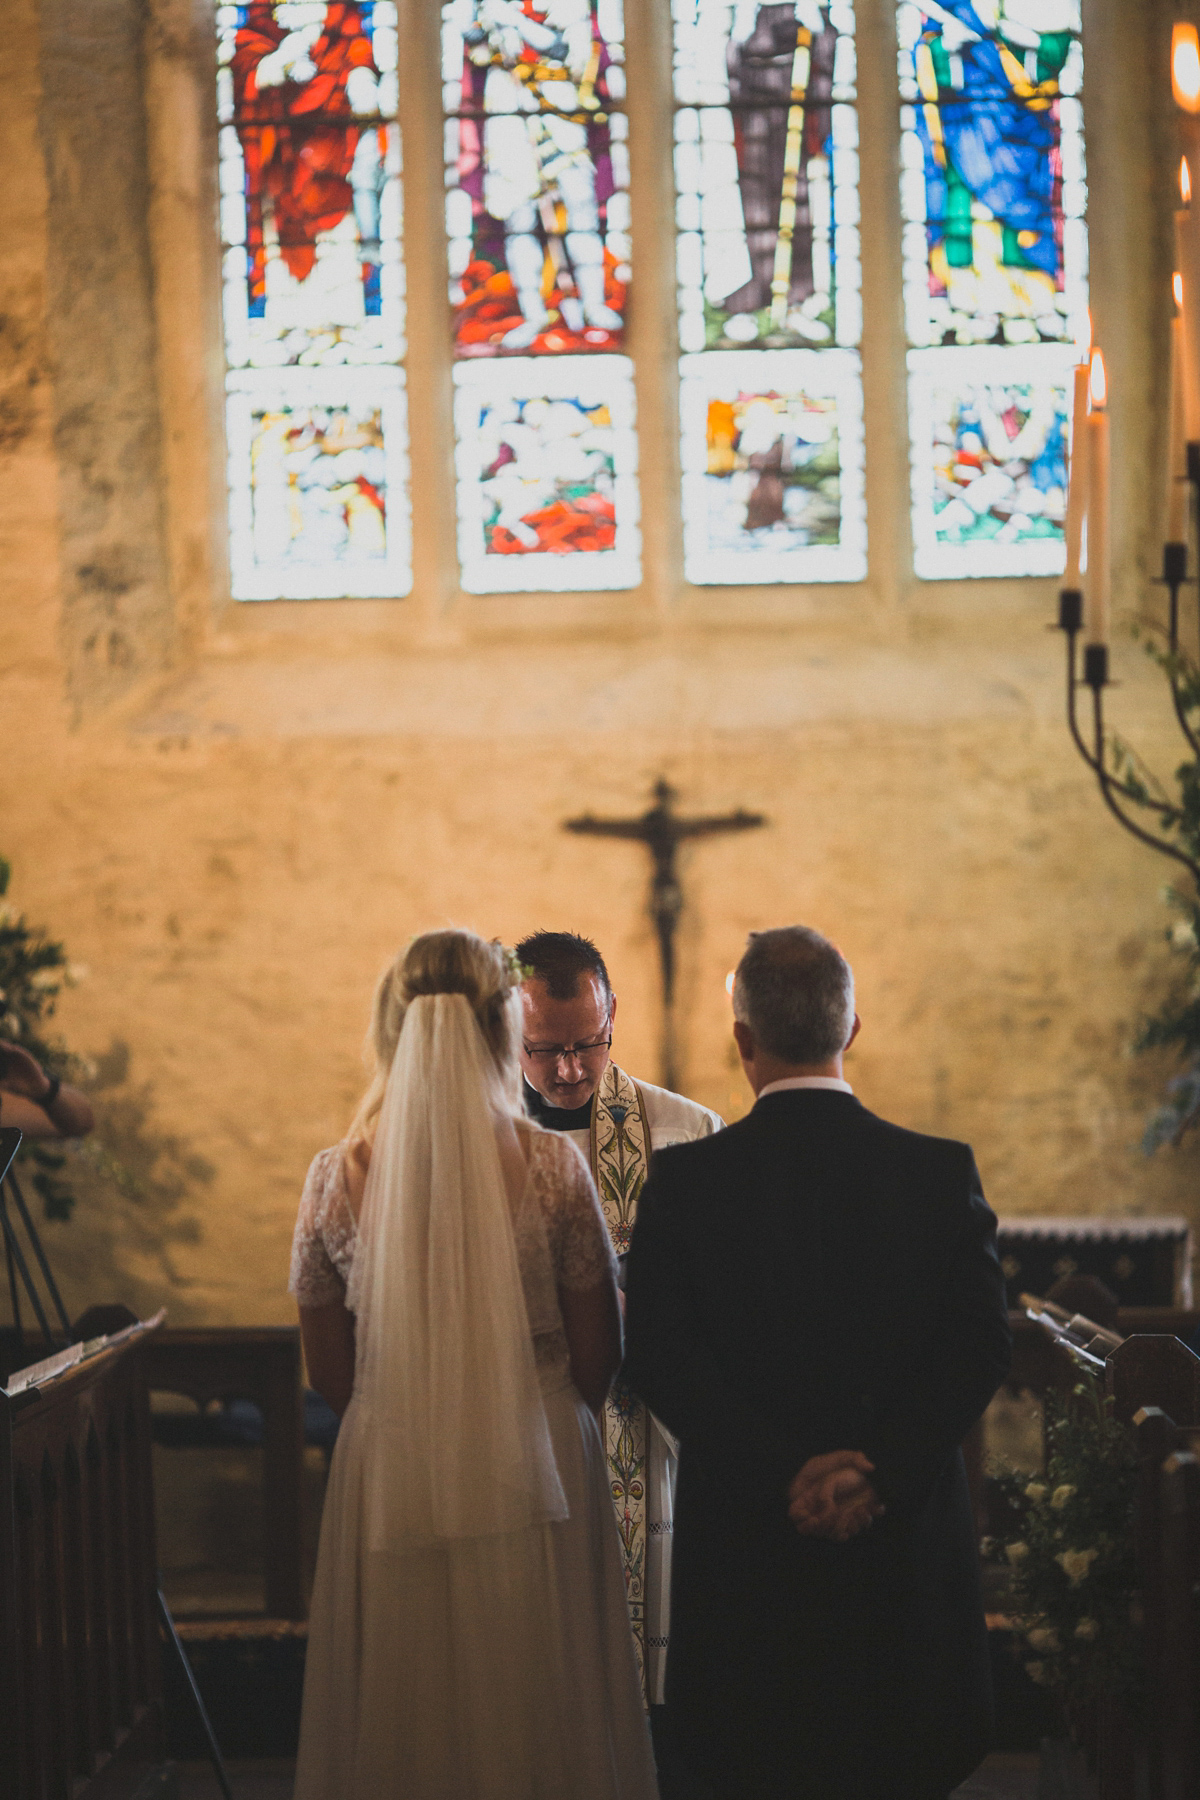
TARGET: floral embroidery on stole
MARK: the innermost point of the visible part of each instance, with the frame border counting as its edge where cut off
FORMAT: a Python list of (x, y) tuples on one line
[(620, 1158)]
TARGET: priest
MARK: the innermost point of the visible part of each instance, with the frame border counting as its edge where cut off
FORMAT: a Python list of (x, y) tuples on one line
[(572, 1085)]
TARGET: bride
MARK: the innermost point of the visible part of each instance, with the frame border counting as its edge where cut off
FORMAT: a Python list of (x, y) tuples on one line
[(458, 1305)]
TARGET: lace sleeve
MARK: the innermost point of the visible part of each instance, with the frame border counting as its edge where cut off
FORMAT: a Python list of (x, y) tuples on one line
[(579, 1242), (314, 1279)]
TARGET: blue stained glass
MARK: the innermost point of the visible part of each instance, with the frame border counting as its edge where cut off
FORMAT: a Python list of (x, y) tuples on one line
[(994, 197), (990, 427)]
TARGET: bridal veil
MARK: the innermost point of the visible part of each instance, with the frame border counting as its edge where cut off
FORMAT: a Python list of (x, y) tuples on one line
[(457, 1443)]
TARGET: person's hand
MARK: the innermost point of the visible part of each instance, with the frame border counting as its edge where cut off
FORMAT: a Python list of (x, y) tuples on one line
[(832, 1496), (838, 1507), (21, 1073)]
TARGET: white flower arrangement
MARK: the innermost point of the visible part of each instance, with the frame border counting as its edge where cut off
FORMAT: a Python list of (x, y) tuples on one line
[(1076, 1564), (1069, 1551)]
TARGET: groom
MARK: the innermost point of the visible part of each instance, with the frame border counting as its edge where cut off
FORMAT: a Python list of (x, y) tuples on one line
[(571, 1085), (826, 1285)]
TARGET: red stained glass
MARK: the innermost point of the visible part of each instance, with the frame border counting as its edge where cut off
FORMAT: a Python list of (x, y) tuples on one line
[(298, 136)]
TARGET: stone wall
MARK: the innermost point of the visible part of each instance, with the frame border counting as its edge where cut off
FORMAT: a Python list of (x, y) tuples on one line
[(233, 815)]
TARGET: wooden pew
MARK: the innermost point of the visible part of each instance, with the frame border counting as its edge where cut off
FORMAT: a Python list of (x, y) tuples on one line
[(80, 1682), (1144, 1375), (259, 1363), (1147, 1372)]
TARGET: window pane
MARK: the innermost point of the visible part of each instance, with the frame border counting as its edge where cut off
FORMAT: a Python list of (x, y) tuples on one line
[(768, 262), (993, 195), (311, 218), (547, 474), (538, 224), (537, 176)]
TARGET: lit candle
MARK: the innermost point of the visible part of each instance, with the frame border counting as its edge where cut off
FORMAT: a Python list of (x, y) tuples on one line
[(1186, 67), (1187, 247), (1099, 574), (1078, 478), (1176, 453), (1185, 86)]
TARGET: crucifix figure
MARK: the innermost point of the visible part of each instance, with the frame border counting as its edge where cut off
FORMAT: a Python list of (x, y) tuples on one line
[(662, 831)]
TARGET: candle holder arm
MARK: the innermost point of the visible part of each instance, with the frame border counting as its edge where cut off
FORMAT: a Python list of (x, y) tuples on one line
[(1110, 787), (1096, 763), (1174, 576)]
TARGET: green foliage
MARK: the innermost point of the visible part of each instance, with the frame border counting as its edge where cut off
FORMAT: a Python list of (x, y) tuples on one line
[(33, 971), (1071, 1555), (1176, 1024)]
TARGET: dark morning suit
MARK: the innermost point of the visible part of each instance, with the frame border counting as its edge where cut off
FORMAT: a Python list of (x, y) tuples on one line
[(815, 1279)]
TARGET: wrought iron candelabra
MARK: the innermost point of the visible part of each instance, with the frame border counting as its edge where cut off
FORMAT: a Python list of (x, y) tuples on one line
[(1117, 792)]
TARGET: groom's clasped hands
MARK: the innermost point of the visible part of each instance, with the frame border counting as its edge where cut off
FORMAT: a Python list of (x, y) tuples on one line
[(832, 1496)]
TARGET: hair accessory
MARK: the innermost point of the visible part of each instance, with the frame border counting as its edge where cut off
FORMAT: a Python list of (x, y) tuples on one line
[(517, 969)]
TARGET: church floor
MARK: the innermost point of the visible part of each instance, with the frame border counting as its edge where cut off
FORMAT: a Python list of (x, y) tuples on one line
[(1000, 1778)]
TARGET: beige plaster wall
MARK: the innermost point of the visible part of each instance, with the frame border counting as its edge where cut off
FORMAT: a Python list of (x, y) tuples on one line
[(234, 814)]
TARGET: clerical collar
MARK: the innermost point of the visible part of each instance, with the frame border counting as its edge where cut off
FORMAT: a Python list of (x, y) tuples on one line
[(556, 1118)]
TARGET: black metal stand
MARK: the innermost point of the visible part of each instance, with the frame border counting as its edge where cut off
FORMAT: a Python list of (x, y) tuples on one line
[(210, 1736), (1095, 676), (18, 1265)]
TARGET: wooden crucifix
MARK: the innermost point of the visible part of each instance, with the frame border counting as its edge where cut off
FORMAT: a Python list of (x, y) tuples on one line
[(662, 831)]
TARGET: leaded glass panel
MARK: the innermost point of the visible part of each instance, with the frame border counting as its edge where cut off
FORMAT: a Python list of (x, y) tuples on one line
[(538, 227), (993, 196), (768, 260), (311, 221), (547, 474)]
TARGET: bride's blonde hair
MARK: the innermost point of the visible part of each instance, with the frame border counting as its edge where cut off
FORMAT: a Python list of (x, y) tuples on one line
[(443, 962)]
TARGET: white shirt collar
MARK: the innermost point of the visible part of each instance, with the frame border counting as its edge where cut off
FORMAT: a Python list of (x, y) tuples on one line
[(806, 1081)]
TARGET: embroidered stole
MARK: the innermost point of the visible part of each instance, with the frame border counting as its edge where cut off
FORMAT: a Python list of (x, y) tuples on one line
[(620, 1158)]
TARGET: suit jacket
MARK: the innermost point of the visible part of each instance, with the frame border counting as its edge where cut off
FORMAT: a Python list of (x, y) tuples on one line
[(816, 1279)]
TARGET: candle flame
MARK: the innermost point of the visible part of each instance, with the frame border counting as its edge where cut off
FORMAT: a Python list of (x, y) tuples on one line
[(1177, 289), (1185, 181), (1185, 67), (1098, 382)]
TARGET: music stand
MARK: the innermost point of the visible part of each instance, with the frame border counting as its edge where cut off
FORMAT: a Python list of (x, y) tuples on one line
[(16, 1260)]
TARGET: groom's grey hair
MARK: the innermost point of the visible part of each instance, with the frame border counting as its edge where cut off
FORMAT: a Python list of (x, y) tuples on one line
[(795, 990)]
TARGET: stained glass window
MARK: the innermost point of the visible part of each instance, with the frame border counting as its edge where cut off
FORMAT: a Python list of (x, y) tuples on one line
[(537, 216), (313, 299), (993, 196), (768, 259)]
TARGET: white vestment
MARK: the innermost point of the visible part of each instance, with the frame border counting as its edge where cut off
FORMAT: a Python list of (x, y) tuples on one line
[(672, 1120)]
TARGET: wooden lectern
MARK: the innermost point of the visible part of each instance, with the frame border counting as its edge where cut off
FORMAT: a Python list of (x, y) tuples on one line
[(80, 1679)]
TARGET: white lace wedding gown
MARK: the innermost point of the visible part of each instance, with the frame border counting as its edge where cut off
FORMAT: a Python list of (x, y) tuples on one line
[(425, 1680)]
